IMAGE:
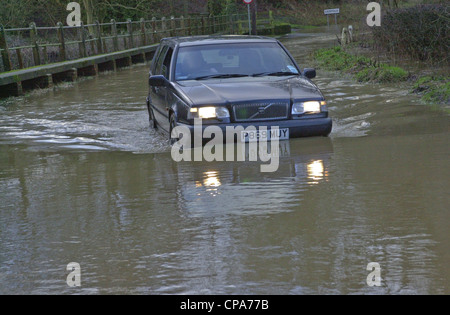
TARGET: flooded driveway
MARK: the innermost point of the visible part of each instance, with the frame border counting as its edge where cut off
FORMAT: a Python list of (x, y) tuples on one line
[(83, 179)]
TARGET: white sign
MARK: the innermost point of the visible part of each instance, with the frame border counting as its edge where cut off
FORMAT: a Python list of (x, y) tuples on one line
[(331, 11), (248, 1)]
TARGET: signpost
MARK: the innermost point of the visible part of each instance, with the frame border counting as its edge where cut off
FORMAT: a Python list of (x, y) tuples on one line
[(248, 2), (329, 12)]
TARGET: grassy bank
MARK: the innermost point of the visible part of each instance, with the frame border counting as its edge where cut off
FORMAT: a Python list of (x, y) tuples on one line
[(433, 89), (363, 68)]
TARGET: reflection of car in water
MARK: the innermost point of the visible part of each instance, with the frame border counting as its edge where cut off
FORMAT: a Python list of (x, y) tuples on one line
[(240, 187), (234, 81)]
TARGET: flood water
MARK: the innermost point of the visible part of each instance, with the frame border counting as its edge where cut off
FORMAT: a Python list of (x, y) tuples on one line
[(83, 179)]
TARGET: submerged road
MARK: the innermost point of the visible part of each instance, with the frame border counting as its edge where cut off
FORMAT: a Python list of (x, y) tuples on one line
[(83, 179)]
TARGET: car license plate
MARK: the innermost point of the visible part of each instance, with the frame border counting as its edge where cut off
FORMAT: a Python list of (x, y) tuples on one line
[(264, 135)]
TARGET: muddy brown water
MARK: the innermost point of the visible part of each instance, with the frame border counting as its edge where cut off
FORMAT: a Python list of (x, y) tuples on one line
[(83, 179)]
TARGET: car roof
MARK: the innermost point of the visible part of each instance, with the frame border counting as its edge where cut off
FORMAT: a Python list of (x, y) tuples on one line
[(212, 40)]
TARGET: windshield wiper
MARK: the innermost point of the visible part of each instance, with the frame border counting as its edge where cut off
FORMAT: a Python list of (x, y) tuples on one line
[(221, 76), (275, 74)]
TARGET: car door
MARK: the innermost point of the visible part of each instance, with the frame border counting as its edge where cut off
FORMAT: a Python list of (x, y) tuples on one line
[(159, 94)]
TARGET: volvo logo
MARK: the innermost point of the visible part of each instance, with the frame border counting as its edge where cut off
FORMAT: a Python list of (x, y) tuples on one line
[(261, 110)]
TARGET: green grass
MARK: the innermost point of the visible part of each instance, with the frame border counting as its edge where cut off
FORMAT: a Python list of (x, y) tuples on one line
[(382, 74), (363, 68), (433, 89)]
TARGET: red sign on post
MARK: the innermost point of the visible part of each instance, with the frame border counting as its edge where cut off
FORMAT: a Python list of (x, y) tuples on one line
[(248, 1)]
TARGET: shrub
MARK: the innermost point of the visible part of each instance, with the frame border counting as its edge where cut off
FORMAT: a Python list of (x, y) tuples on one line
[(420, 32), (265, 31), (283, 29), (364, 75), (391, 74)]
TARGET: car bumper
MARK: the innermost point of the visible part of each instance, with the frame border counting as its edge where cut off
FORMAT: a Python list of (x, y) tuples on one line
[(297, 127)]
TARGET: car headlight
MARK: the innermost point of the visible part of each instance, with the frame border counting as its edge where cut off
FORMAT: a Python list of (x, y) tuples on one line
[(219, 112), (207, 112), (311, 107)]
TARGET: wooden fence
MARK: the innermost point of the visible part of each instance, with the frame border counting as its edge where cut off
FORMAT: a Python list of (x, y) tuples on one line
[(33, 46)]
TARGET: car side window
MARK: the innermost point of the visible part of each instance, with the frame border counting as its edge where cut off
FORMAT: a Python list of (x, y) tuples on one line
[(165, 71), (160, 60)]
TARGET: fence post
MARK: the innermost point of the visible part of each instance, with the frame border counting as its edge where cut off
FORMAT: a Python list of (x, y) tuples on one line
[(82, 44), (182, 26), (230, 19), (114, 34), (45, 53), (173, 26), (33, 36), (143, 34), (99, 37), (240, 29), (6, 57), (20, 58), (271, 18), (91, 41), (189, 26), (213, 24), (130, 34), (62, 43), (163, 26), (203, 25), (154, 35)]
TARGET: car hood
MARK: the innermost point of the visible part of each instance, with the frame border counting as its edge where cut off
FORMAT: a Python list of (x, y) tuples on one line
[(248, 89)]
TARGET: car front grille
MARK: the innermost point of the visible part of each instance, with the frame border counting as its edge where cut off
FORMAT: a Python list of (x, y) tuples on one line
[(261, 111)]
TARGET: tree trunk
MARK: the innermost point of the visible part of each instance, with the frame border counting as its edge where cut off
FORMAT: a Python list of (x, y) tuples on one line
[(89, 6)]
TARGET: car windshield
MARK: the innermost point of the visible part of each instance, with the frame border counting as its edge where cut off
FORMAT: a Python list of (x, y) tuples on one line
[(233, 60)]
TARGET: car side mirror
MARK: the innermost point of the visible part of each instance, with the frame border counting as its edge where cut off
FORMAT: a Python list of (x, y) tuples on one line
[(310, 73), (157, 80)]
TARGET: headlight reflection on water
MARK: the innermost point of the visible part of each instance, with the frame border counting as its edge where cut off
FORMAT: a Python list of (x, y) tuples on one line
[(211, 182), (312, 172), (316, 171)]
